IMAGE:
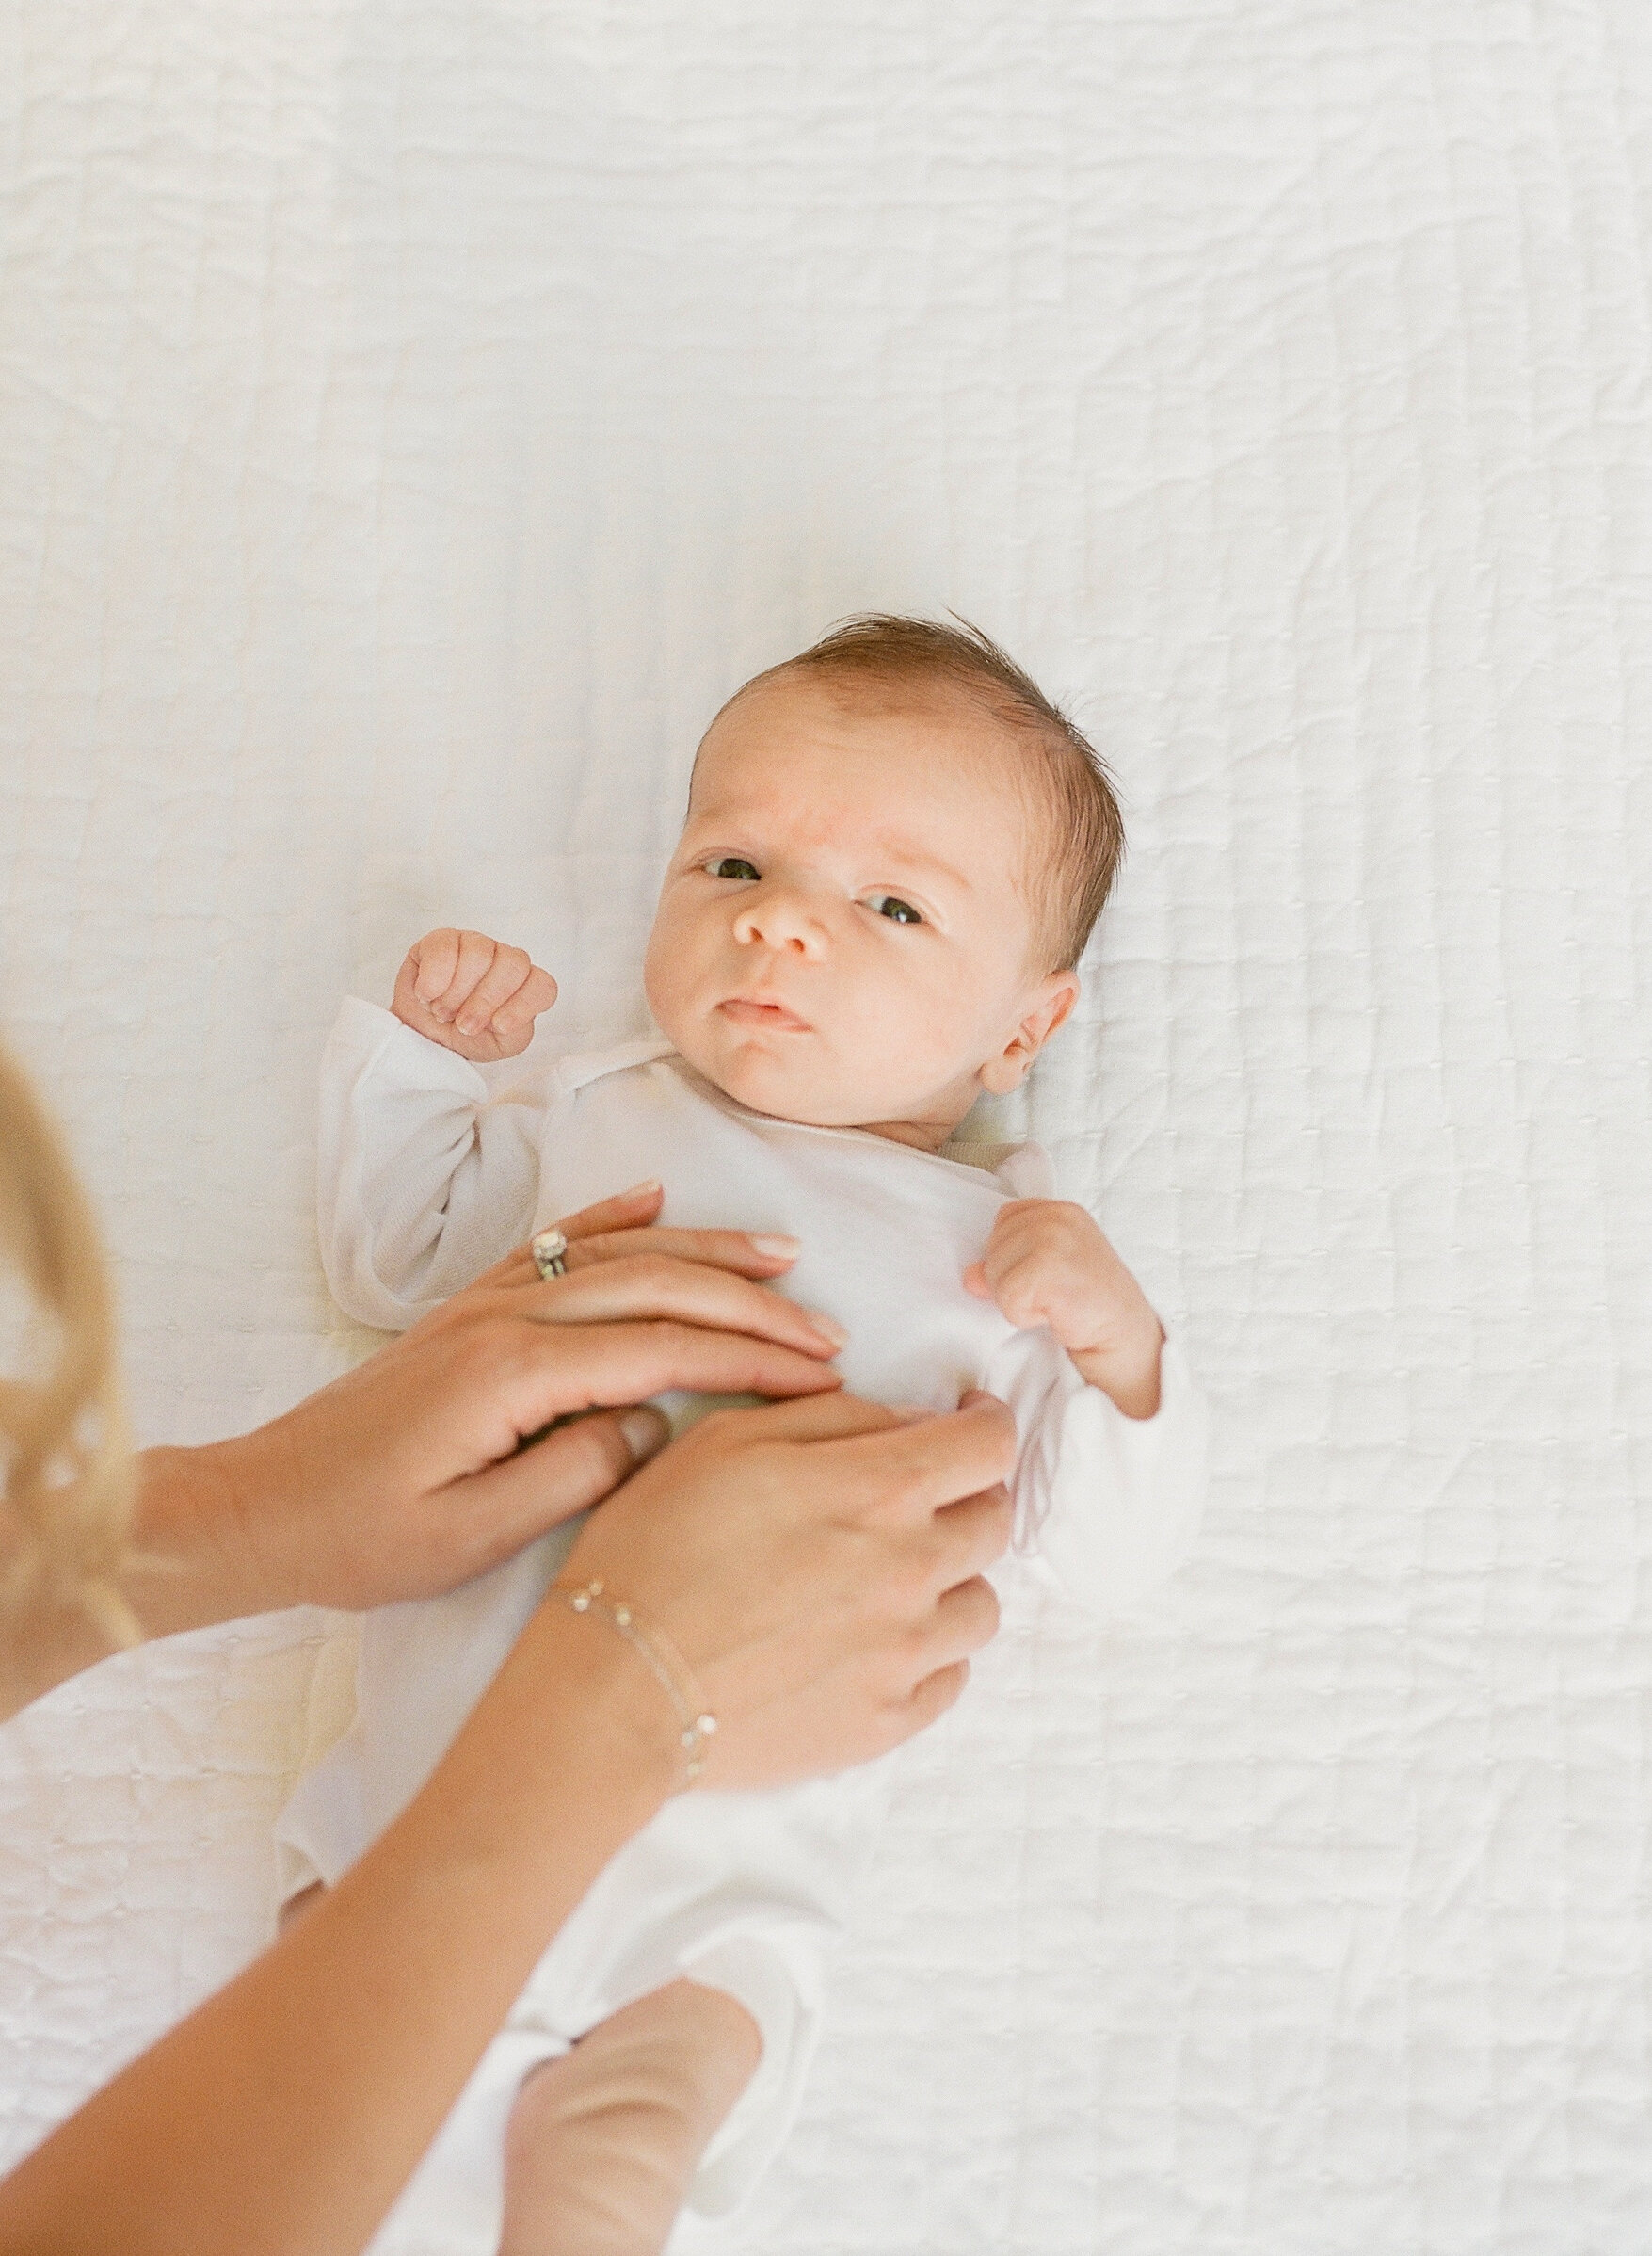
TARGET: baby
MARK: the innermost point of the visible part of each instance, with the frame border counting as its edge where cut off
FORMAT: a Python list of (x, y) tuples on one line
[(894, 852)]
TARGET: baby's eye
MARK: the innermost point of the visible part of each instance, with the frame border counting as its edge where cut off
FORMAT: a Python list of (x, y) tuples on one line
[(732, 865), (897, 911)]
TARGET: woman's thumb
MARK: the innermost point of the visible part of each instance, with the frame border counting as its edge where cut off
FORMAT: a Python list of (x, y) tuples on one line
[(574, 1466)]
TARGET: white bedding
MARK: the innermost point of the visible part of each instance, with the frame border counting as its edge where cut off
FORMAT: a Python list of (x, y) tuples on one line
[(414, 421)]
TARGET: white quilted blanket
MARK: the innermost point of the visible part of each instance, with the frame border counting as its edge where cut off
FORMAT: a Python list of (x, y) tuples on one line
[(415, 420)]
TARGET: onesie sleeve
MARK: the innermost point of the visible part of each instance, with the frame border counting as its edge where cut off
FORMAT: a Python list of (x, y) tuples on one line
[(1111, 1504), (425, 1179)]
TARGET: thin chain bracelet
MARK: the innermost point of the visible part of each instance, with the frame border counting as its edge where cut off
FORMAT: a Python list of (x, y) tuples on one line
[(695, 1723)]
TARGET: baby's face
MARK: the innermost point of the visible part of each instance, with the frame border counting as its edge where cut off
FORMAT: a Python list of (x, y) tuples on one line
[(842, 936)]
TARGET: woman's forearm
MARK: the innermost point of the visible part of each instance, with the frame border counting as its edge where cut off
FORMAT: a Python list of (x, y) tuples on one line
[(818, 1567), (284, 2116), (187, 1569)]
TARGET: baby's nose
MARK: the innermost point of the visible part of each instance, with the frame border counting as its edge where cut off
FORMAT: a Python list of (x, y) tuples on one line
[(779, 918)]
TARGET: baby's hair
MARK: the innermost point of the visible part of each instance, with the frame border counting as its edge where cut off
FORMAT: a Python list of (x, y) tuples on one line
[(1084, 829)]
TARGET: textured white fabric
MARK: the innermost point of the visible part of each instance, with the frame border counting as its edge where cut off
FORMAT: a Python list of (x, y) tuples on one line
[(415, 420), (426, 1178)]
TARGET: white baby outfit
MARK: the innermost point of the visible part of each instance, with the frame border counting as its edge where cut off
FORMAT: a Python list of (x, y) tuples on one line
[(428, 1176)]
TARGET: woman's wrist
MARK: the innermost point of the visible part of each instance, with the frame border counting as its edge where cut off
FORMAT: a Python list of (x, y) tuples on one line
[(571, 1704), (194, 1562), (696, 1725)]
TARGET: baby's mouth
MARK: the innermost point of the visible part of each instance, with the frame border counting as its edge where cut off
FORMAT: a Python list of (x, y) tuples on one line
[(747, 1010)]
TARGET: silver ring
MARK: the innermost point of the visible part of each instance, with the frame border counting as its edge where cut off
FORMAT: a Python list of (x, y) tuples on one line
[(549, 1249)]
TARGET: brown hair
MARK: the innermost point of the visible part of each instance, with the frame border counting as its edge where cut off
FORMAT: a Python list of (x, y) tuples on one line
[(1084, 829), (66, 1467)]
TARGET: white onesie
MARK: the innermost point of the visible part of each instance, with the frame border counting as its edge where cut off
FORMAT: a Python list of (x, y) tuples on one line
[(428, 1176)]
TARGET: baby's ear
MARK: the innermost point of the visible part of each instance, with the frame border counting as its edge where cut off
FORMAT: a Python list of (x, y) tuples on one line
[(1051, 1006)]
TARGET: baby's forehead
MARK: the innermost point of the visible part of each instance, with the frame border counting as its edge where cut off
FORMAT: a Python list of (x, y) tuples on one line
[(916, 746)]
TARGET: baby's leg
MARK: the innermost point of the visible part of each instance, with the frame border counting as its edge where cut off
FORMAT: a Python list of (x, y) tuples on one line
[(602, 2143)]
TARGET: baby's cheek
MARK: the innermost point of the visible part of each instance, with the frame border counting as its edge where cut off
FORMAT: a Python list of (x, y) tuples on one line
[(653, 972), (668, 978)]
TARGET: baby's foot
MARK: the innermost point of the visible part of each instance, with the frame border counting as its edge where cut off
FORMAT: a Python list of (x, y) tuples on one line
[(602, 2143)]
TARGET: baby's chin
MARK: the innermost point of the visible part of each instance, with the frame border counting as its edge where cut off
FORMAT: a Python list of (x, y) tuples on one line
[(763, 1078)]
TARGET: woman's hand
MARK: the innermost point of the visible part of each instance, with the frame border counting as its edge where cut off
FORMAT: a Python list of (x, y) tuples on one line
[(407, 1475), (818, 1563), (818, 1566)]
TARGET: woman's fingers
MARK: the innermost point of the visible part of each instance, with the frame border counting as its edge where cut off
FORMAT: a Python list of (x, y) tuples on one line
[(571, 1469), (628, 1209), (753, 1254), (927, 1462), (972, 1533), (759, 1255), (559, 1369), (820, 1418), (941, 1473), (652, 1284), (618, 1228), (966, 1618), (927, 1702)]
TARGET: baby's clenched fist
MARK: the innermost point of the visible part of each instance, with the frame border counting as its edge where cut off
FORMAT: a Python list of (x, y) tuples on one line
[(471, 994), (1047, 1263)]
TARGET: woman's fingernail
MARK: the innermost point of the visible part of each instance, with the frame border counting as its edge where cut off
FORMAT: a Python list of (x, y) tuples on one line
[(777, 1249), (469, 1025), (646, 1430), (827, 1326), (650, 1183)]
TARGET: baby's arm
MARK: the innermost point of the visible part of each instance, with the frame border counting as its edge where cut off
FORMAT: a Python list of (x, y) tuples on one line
[(1109, 1480), (427, 1176), (1047, 1263)]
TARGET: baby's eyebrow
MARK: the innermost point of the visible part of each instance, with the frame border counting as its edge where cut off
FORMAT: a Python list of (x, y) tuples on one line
[(895, 855), (919, 865)]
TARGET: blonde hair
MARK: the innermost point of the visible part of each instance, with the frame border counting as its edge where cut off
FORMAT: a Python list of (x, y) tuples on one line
[(66, 1464)]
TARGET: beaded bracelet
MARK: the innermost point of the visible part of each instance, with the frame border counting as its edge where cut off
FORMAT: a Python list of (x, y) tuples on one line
[(695, 1722)]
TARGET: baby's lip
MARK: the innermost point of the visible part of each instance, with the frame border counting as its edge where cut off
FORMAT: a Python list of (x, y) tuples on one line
[(758, 1010)]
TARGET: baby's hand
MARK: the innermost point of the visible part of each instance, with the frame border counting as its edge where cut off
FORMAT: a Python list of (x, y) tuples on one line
[(471, 994), (1047, 1263)]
